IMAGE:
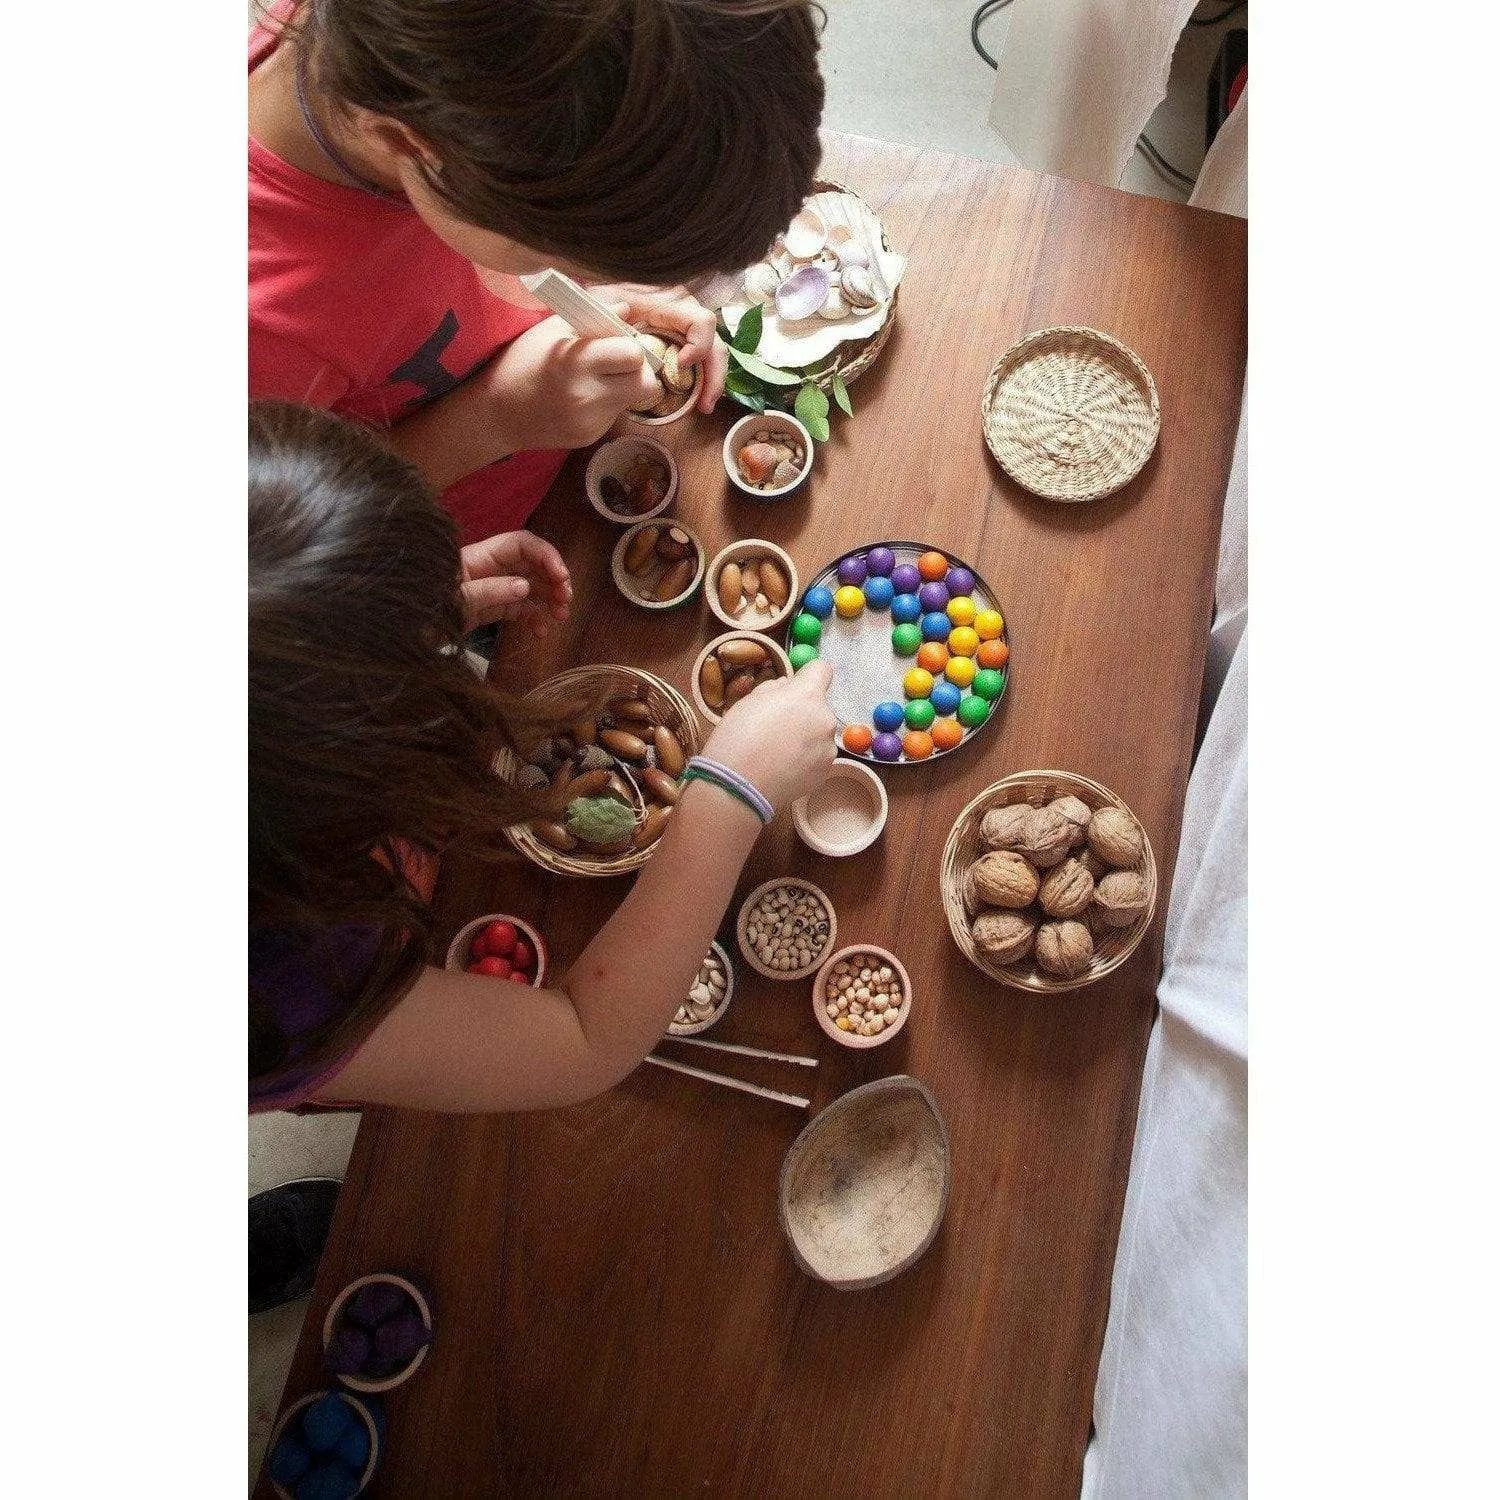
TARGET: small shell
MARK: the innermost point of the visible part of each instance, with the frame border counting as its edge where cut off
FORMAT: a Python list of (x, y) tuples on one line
[(859, 288), (805, 235), (851, 253), (784, 473), (780, 262), (802, 293), (834, 306), (761, 281), (756, 461), (673, 374)]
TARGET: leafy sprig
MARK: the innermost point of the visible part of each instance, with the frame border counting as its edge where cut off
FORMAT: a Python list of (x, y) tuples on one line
[(761, 386)]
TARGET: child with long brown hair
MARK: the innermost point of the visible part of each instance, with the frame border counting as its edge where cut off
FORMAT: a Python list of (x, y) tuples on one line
[(372, 744), (409, 158)]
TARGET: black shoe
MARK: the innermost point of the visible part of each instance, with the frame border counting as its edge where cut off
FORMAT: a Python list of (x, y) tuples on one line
[(288, 1228)]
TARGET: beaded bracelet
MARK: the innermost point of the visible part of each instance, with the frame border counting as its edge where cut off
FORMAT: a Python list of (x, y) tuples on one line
[(700, 768)]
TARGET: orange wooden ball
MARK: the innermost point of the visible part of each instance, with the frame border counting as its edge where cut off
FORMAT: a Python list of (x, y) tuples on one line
[(917, 744), (947, 733)]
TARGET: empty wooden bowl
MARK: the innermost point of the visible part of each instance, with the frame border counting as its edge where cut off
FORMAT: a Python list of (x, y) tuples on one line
[(846, 814), (774, 656), (865, 1186), (750, 616)]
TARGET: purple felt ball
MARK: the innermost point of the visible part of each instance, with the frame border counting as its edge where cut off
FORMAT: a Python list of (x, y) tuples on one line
[(852, 571), (397, 1341), (880, 561), (933, 596), (326, 1421), (905, 578), (348, 1350), (375, 1302), (960, 581), (887, 747)]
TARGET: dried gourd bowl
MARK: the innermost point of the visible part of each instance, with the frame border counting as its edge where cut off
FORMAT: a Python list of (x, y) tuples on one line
[(861, 957), (290, 1454), (779, 425), (865, 1186), (658, 564), (619, 468), (690, 1027), (654, 727), (685, 401), (1112, 945), (734, 589), (741, 655), (461, 951), (821, 945), (402, 1310)]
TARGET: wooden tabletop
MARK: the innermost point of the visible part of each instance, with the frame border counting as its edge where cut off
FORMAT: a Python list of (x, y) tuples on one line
[(617, 1311)]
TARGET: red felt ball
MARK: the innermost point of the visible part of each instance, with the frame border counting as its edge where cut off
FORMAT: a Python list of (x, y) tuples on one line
[(498, 938), (523, 957), (520, 978), (495, 968), (474, 967)]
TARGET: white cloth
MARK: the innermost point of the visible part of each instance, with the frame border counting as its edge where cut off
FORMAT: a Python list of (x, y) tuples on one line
[(1224, 178)]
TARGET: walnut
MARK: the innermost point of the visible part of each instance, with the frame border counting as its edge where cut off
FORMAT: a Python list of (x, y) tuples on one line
[(972, 904), (1078, 813), (1047, 838), (1065, 949), (1004, 936), (1116, 838), (1067, 890), (1120, 898), (1004, 827), (1094, 865), (1003, 878)]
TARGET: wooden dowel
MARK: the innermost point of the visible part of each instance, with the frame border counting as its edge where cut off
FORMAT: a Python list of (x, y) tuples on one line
[(729, 1083), (786, 1057)]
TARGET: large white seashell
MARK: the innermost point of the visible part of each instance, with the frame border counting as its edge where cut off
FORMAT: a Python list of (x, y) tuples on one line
[(805, 235), (803, 293), (834, 305), (761, 281)]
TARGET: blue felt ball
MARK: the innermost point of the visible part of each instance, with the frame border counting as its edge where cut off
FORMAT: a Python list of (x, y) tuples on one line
[(945, 697), (354, 1448), (818, 601), (906, 609), (889, 716), (289, 1459), (326, 1421), (878, 592), (935, 626), (327, 1481)]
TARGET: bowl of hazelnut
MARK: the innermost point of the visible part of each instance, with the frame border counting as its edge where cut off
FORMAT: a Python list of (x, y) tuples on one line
[(1048, 881), (677, 387)]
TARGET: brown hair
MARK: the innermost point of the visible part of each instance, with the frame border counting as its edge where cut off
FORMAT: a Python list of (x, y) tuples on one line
[(653, 140), (368, 727)]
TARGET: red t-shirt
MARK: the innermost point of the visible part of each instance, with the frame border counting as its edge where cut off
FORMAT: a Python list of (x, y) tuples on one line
[(357, 307)]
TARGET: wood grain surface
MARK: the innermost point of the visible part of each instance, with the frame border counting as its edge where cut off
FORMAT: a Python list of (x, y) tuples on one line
[(617, 1312)]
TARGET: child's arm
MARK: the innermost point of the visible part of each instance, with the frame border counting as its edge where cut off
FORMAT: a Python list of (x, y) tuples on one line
[(463, 1042)]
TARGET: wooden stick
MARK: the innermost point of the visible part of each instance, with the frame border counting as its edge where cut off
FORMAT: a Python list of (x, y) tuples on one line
[(786, 1057), (729, 1083), (582, 311)]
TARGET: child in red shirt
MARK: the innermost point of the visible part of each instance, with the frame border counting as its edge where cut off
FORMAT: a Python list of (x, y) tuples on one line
[(408, 160)]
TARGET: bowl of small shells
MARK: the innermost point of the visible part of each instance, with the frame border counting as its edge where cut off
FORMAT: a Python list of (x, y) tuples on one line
[(677, 388), (612, 776), (631, 479), (768, 454), (862, 996), (786, 928), (752, 585), (731, 667), (658, 564), (1048, 881), (709, 996)]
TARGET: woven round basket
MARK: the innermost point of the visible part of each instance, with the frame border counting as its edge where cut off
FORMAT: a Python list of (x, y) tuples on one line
[(1071, 414), (1112, 945), (851, 360), (667, 706)]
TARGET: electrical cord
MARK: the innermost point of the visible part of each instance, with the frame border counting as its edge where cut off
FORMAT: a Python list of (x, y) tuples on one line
[(1144, 145)]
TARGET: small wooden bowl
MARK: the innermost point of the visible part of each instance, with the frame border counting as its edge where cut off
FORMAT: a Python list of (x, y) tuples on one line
[(752, 618), (688, 401), (739, 435), (742, 926), (613, 459), (360, 1410), (820, 995), (692, 1028), (632, 585), (330, 1322), (865, 1185), (458, 950), (869, 786), (778, 657), (1112, 946)]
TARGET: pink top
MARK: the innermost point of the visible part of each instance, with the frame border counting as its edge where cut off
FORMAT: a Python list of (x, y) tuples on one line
[(357, 307)]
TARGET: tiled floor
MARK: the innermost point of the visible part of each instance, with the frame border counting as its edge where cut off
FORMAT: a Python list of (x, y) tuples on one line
[(896, 71)]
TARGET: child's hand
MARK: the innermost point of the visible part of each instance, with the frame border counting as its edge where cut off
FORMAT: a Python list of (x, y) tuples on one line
[(676, 310), (780, 737), (515, 576)]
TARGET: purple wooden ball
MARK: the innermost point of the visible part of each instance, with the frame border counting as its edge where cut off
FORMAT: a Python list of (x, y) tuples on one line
[(852, 571), (934, 596), (887, 746), (960, 582), (880, 561), (905, 578)]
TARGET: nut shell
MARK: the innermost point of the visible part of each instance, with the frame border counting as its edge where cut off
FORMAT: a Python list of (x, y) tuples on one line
[(1004, 827), (1047, 838), (1067, 890), (1004, 936), (1078, 813), (1120, 899), (1004, 878), (1116, 838), (1065, 949)]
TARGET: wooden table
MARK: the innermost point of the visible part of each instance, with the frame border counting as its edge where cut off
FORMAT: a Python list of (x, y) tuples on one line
[(619, 1315)]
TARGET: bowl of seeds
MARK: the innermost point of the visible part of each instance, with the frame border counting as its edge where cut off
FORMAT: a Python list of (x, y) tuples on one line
[(862, 995), (708, 998), (631, 479), (786, 928), (768, 454), (658, 564), (753, 585), (731, 667)]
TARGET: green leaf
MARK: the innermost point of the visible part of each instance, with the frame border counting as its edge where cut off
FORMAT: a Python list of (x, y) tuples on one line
[(818, 429), (758, 367), (752, 399), (812, 406), (841, 395), (738, 383), (747, 335), (723, 329)]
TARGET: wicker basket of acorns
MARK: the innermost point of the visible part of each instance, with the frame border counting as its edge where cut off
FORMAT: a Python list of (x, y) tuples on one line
[(1048, 881)]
